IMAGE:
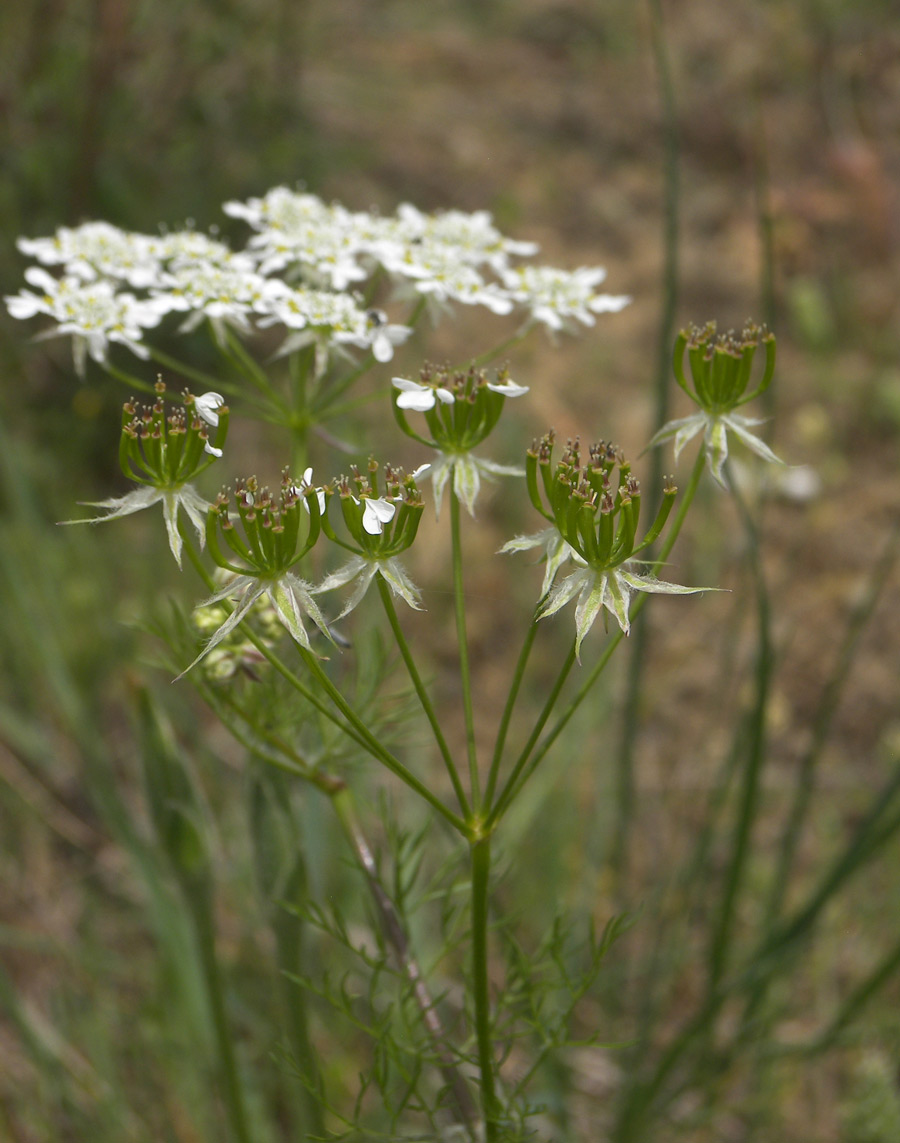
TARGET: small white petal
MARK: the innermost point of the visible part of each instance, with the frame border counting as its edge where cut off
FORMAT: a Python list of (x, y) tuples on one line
[(207, 406), (376, 514), (419, 402), (508, 388)]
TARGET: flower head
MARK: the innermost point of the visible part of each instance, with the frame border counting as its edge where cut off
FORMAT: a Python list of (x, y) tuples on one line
[(382, 519), (162, 451), (460, 409), (274, 536), (94, 313), (558, 298), (97, 250), (720, 373), (594, 509)]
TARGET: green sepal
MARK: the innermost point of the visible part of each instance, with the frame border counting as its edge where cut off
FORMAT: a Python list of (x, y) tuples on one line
[(531, 470), (659, 523), (678, 365), (769, 341), (404, 425), (215, 551)]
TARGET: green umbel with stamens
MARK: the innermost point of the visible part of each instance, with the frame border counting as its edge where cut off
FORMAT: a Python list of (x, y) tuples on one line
[(720, 366), (278, 529), (167, 447), (466, 407), (383, 521), (595, 507)]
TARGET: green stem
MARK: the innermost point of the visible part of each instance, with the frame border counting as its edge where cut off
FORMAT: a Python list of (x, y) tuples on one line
[(503, 728), (755, 746), (491, 354), (519, 774), (481, 867), (374, 747), (462, 640), (675, 527), (526, 766), (129, 379), (183, 370), (235, 351), (625, 781), (286, 673), (385, 592)]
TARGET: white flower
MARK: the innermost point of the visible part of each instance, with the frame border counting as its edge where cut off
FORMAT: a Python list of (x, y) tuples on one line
[(556, 549), (186, 497), (438, 272), (204, 290), (299, 229), (97, 249), (611, 589), (181, 248), (471, 238), (377, 513), (555, 297), (94, 313), (715, 428), (304, 486), (381, 336), (363, 570), (206, 407), (419, 397), (467, 471), (289, 595)]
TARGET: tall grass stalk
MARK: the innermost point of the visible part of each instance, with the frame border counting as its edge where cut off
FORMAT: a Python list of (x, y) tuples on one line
[(637, 663)]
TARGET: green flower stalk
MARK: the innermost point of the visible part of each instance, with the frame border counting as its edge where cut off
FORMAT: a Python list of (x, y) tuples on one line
[(163, 451), (382, 525), (720, 370), (461, 410), (276, 532), (594, 511)]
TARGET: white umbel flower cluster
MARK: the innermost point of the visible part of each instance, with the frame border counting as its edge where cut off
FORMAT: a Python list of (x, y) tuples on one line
[(301, 269)]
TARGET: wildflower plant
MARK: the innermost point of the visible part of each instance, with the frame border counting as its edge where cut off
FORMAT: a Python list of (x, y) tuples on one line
[(344, 292)]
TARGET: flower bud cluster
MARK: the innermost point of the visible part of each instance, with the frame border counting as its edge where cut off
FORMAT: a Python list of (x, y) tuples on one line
[(236, 653), (595, 506), (460, 408), (278, 528), (720, 366), (166, 448)]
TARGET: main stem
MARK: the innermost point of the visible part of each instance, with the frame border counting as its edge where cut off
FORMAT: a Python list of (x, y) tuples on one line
[(481, 867), (462, 639)]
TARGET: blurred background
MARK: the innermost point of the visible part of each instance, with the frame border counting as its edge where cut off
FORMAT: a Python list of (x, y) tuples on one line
[(550, 114)]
